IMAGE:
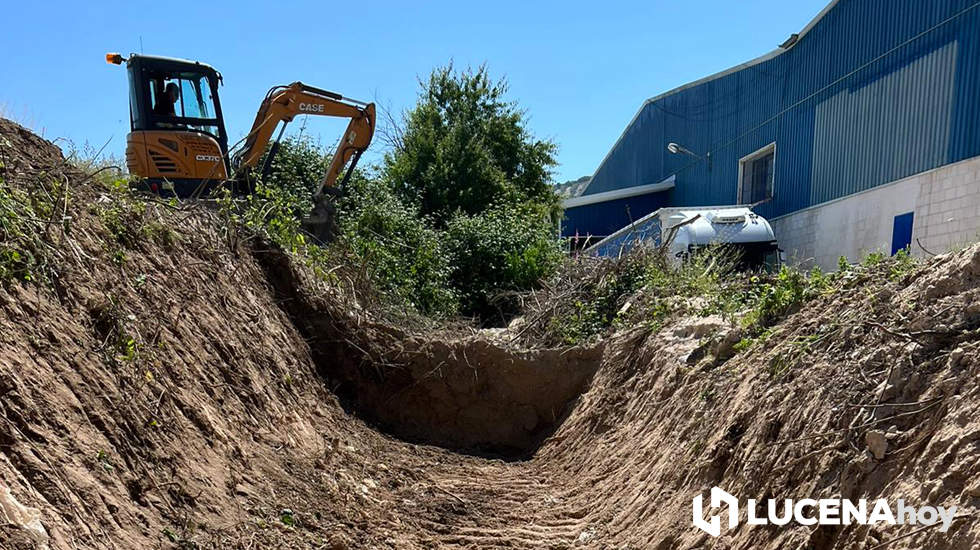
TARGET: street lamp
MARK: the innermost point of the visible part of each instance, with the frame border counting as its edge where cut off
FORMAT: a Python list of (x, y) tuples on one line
[(677, 149)]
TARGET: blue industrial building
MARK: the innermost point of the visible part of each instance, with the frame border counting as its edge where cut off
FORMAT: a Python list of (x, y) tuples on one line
[(870, 95)]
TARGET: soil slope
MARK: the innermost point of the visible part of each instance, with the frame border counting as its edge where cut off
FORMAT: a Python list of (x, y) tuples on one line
[(188, 389)]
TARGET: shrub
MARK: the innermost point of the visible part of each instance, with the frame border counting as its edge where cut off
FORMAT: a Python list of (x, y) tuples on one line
[(640, 288), (271, 212), (468, 165), (597, 303), (296, 173), (776, 299), (503, 250), (402, 253)]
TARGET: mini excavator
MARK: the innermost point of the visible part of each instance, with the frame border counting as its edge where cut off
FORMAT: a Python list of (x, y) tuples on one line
[(178, 146)]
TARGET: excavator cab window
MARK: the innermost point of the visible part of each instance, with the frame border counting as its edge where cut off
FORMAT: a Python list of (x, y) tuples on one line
[(189, 96), (186, 99), (171, 94)]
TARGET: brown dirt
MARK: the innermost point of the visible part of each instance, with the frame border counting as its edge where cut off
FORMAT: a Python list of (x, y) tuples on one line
[(225, 430)]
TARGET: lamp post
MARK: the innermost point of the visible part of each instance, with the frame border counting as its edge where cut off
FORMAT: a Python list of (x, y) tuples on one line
[(678, 149)]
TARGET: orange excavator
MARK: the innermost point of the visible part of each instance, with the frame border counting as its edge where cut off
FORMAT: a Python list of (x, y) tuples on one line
[(178, 146)]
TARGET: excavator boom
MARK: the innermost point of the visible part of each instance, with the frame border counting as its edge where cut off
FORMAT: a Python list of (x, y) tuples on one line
[(283, 103)]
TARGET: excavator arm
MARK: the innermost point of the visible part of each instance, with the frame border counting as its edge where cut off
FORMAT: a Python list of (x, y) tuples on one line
[(283, 103)]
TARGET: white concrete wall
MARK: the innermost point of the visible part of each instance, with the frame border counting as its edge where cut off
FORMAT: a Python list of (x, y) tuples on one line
[(946, 202)]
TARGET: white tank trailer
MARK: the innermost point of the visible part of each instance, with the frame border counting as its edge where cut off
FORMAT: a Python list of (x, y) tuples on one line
[(683, 231)]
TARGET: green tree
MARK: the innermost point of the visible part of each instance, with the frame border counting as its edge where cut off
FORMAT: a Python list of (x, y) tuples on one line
[(464, 147), (462, 215)]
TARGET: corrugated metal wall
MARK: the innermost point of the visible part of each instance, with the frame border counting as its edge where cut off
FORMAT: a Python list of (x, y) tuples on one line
[(605, 218), (876, 91)]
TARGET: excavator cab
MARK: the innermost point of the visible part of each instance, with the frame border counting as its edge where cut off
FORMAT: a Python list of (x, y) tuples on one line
[(177, 140)]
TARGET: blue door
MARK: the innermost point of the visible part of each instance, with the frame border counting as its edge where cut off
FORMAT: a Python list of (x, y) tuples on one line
[(902, 232)]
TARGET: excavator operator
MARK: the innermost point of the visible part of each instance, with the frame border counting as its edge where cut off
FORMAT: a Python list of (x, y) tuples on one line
[(167, 100)]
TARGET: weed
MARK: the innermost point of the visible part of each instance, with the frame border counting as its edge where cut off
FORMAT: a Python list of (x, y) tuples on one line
[(127, 348), (603, 303), (125, 215), (179, 541), (707, 394), (902, 263), (159, 233), (119, 346), (873, 259), (642, 288), (103, 459), (783, 295), (93, 160), (269, 211), (749, 341), (24, 251), (139, 282), (744, 344), (119, 258), (779, 365), (122, 214)]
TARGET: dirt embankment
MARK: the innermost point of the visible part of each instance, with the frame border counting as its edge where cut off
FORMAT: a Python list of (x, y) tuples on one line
[(163, 381), (180, 390)]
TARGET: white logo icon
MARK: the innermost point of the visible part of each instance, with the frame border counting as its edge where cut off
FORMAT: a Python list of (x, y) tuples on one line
[(713, 527)]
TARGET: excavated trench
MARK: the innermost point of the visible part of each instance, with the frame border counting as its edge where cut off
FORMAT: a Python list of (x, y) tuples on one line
[(224, 430), (468, 395)]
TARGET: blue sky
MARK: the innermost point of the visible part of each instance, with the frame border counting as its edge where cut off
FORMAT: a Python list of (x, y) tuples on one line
[(580, 69)]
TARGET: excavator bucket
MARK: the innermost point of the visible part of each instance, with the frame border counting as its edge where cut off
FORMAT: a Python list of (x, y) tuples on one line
[(322, 222)]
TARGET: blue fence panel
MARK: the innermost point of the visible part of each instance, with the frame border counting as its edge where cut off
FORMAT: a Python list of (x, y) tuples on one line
[(648, 232)]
